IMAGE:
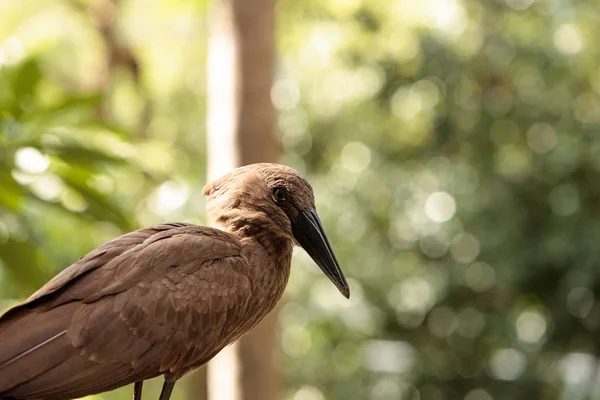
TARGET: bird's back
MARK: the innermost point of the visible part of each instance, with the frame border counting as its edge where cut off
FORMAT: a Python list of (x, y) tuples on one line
[(156, 301)]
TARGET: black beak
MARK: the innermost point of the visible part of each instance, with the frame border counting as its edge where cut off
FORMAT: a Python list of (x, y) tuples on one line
[(309, 232)]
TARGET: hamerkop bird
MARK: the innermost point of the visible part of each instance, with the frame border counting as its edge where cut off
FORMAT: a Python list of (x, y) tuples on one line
[(164, 300)]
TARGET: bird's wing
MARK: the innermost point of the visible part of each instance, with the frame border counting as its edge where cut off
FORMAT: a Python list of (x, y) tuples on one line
[(175, 298), (100, 256)]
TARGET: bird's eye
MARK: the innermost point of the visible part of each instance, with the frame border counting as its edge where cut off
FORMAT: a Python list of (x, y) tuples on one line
[(279, 194)]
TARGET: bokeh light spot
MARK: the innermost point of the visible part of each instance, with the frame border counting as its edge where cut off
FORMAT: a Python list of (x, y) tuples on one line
[(577, 367), (435, 246), (530, 326), (356, 157), (351, 226), (296, 341), (285, 94), (389, 356), (48, 187), (567, 39), (464, 248), (406, 104), (587, 108), (440, 207), (507, 364), (478, 394), (479, 276), (30, 160), (169, 197), (324, 295), (447, 15), (309, 393), (541, 138), (513, 162), (412, 294), (386, 388), (13, 49), (427, 91), (73, 200)]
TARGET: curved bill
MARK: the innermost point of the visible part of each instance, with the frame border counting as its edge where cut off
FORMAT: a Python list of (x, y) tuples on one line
[(309, 232)]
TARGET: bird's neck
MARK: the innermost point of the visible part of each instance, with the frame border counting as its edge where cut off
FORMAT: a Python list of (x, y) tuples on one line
[(259, 228), (269, 255)]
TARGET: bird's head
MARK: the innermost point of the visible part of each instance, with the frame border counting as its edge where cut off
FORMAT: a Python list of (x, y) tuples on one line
[(277, 200)]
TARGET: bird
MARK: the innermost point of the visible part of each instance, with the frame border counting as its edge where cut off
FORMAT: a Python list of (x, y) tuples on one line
[(164, 300)]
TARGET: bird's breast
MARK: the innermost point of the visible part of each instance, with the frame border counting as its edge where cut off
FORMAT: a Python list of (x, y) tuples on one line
[(266, 278), (268, 274)]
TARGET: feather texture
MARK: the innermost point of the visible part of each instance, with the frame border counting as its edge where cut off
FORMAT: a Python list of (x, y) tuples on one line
[(161, 300)]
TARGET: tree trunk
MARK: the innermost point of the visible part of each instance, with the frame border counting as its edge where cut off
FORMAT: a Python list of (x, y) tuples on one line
[(240, 73), (241, 131)]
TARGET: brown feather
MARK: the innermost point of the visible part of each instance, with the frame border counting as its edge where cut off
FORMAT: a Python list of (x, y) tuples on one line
[(149, 318), (160, 300)]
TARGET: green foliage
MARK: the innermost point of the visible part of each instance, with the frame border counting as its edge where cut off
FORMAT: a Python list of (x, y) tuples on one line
[(73, 170), (454, 150), (80, 160), (43, 168)]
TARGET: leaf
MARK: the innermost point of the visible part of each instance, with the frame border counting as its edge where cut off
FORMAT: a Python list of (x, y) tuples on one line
[(55, 111), (11, 194), (22, 262), (101, 207), (77, 154), (27, 77)]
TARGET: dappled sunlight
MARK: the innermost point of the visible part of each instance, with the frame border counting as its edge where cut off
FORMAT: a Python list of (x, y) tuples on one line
[(507, 364), (567, 39), (440, 206), (12, 51), (389, 356), (309, 393), (531, 326), (168, 197), (450, 165), (31, 160)]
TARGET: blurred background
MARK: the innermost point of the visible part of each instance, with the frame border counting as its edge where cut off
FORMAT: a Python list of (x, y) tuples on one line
[(453, 146)]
